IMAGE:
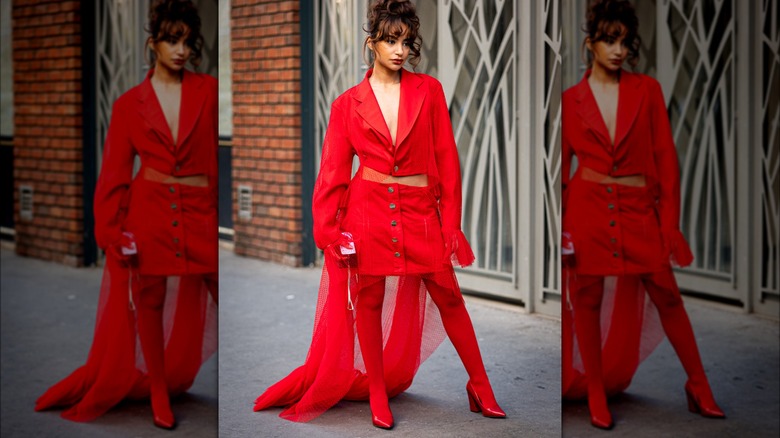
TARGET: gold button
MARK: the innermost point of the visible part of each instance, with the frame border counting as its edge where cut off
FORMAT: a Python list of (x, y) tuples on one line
[(175, 223), (390, 189), (172, 189), (393, 223), (392, 206), (395, 240), (397, 254), (609, 189), (395, 168), (611, 223)]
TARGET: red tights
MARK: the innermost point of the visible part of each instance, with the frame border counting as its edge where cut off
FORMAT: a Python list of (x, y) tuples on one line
[(457, 324)]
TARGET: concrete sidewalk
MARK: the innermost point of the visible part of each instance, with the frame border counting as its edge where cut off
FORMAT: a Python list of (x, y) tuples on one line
[(741, 355), (266, 313), (266, 318), (48, 318)]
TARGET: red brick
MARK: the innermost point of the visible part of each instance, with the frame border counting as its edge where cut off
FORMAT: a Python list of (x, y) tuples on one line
[(48, 136)]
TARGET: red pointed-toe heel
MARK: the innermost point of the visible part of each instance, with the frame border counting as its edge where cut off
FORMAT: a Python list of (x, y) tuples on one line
[(382, 418), (161, 408), (601, 418), (702, 402), (476, 405), (599, 412), (383, 422)]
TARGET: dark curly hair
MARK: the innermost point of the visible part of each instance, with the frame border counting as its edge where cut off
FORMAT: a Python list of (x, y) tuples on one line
[(389, 19), (612, 19), (172, 19)]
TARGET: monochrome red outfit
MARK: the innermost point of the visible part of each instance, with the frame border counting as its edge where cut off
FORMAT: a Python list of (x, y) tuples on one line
[(407, 237), (625, 238), (175, 228)]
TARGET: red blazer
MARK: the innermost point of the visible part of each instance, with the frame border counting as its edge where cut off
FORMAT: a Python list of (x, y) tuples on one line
[(175, 225), (643, 145), (424, 145)]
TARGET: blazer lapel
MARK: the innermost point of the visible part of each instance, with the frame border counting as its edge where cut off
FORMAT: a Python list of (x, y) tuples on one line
[(192, 100), (369, 110), (152, 112), (409, 106), (588, 110), (629, 102)]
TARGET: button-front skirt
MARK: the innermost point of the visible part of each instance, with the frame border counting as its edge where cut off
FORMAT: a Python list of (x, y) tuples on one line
[(396, 228), (615, 229)]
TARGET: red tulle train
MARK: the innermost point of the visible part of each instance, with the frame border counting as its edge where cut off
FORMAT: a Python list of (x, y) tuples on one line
[(115, 368), (334, 369)]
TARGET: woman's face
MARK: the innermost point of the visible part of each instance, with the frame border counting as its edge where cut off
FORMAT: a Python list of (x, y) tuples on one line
[(172, 52), (610, 51), (392, 52)]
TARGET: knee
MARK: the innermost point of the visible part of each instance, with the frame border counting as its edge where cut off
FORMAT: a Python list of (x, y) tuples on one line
[(665, 298), (152, 296), (663, 290), (370, 299), (588, 298)]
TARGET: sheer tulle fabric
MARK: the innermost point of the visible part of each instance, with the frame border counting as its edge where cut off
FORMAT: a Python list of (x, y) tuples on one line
[(334, 369), (630, 331), (115, 368)]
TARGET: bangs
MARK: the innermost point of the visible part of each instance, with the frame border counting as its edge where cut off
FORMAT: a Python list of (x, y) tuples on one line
[(611, 29), (396, 28), (174, 30)]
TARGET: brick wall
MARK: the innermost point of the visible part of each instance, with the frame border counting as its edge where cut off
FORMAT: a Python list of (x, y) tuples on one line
[(48, 128), (267, 127)]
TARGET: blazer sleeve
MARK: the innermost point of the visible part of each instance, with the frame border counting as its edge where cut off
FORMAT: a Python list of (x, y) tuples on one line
[(566, 156), (333, 178), (448, 167), (113, 184), (668, 179)]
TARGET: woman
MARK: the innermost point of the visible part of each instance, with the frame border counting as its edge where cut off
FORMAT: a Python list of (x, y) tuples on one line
[(158, 230), (621, 214), (390, 235)]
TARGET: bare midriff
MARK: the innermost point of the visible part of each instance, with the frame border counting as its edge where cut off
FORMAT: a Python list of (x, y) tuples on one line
[(155, 175), (589, 174), (419, 180)]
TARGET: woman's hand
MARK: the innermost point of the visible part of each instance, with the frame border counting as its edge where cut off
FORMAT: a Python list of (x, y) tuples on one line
[(124, 251), (567, 249), (676, 248), (343, 251)]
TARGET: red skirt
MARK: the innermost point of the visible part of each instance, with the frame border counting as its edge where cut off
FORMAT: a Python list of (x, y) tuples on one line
[(396, 228), (615, 229), (175, 227)]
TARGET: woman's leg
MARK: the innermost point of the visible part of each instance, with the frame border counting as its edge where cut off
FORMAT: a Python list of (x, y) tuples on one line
[(149, 304), (460, 330), (663, 290), (369, 331), (586, 299)]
